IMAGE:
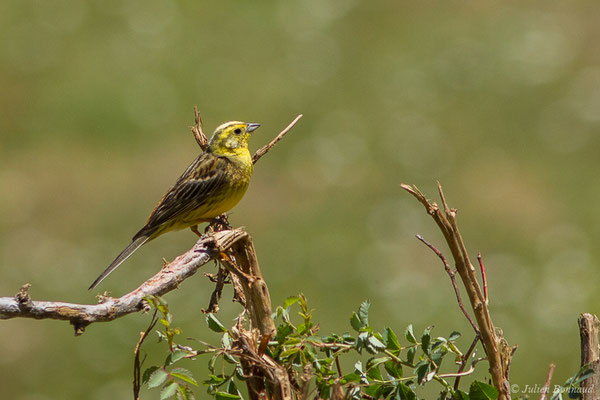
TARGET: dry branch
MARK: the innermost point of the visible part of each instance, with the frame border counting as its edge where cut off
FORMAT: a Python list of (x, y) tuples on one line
[(496, 349), (168, 279)]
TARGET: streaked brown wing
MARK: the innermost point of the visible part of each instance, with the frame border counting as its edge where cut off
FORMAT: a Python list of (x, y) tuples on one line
[(199, 182)]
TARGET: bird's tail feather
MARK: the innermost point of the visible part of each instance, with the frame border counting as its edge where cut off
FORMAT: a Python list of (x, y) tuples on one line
[(133, 246)]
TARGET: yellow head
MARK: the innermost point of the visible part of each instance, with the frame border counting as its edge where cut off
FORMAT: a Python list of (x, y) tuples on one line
[(231, 138)]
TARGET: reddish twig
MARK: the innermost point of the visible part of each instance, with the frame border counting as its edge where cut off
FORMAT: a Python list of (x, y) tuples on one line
[(485, 293), (546, 387), (452, 274)]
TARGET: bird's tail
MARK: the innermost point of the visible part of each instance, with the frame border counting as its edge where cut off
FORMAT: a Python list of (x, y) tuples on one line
[(133, 246)]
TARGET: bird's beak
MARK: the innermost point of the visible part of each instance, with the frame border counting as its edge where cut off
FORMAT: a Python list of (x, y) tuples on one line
[(251, 127)]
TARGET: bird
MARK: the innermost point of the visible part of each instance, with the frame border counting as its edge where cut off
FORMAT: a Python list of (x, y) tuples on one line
[(210, 186)]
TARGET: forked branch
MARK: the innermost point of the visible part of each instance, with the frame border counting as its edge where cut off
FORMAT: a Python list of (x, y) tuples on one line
[(496, 349)]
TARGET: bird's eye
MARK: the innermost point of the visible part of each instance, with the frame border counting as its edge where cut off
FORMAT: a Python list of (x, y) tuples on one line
[(237, 131)]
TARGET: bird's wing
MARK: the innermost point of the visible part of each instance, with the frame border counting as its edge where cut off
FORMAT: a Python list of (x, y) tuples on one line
[(199, 181)]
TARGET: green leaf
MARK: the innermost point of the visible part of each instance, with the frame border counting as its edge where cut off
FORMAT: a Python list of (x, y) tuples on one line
[(356, 322), (157, 378), (290, 301), (184, 375), (373, 362), (394, 369), (454, 336), (391, 340), (225, 396), (375, 345), (229, 358), (460, 395), (164, 322), (422, 371), (410, 355), (404, 392), (289, 352), (375, 373), (426, 340), (410, 336), (211, 363), (351, 377), (214, 324), (482, 391), (148, 372), (374, 391), (363, 312), (215, 380), (175, 356), (358, 367), (231, 388), (584, 374), (226, 340), (185, 393), (169, 390), (282, 332), (438, 354)]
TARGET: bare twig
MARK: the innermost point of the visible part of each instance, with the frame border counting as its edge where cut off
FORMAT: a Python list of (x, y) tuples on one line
[(588, 332), (496, 349), (137, 365), (263, 150), (546, 387), (168, 279), (452, 274)]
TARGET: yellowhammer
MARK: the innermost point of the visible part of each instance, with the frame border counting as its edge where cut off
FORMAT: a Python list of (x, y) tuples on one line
[(213, 184)]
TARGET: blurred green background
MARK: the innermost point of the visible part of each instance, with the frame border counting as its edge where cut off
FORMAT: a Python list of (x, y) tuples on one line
[(501, 103)]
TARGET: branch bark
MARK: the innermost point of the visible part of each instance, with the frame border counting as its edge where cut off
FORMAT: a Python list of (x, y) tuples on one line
[(588, 331), (496, 349)]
